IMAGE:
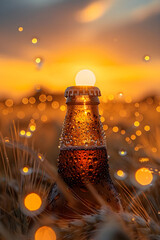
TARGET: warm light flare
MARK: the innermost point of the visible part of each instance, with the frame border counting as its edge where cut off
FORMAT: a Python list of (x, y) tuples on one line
[(25, 169), (143, 159), (45, 233), (22, 132), (9, 102), (144, 176), (138, 133), (120, 173), (38, 60), (55, 105), (105, 127), (115, 129), (136, 124), (122, 153), (20, 29), (28, 134), (147, 58), (32, 202), (32, 128), (85, 77), (62, 108), (147, 128), (34, 40), (158, 108)]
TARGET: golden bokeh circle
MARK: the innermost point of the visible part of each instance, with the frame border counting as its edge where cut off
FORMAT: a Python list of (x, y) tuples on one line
[(32, 202), (144, 176), (45, 233)]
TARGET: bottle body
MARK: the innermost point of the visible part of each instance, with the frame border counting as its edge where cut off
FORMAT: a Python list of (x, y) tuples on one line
[(83, 155), (86, 165)]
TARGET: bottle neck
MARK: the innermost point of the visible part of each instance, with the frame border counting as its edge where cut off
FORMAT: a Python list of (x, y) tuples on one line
[(82, 126), (82, 100)]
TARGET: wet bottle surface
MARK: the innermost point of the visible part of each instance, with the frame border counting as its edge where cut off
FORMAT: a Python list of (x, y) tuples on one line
[(83, 155)]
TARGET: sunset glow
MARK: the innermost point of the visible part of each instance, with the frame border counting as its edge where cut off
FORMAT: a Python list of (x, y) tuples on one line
[(97, 37)]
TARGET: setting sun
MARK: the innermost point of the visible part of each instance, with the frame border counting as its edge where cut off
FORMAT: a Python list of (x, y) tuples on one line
[(85, 78)]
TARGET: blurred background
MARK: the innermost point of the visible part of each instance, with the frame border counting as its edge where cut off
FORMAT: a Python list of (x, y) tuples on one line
[(45, 43)]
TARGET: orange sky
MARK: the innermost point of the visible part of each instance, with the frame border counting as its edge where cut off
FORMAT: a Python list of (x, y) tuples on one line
[(130, 79), (107, 37)]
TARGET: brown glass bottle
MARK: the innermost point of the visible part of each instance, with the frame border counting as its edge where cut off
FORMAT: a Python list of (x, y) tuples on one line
[(83, 156)]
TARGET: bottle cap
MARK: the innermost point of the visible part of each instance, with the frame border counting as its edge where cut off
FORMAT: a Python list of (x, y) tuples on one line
[(82, 90)]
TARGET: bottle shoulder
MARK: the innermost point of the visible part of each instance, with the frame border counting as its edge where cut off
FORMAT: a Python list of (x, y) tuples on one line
[(82, 127)]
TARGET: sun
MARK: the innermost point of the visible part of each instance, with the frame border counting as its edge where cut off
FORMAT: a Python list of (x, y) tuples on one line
[(85, 77)]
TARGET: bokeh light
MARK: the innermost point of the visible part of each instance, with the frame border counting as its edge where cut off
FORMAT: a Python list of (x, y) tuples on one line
[(38, 60), (120, 173), (32, 128), (144, 159), (34, 40), (32, 100), (147, 128), (133, 137), (123, 131), (20, 114), (49, 98), (105, 127), (120, 94), (20, 29), (33, 202), (115, 129), (138, 133), (40, 156), (42, 98), (28, 134), (128, 99), (158, 108), (25, 100), (55, 105), (44, 118), (122, 153), (144, 176), (25, 169), (147, 58), (9, 102), (102, 119), (62, 108), (22, 133), (6, 139), (136, 124), (154, 149), (45, 233)]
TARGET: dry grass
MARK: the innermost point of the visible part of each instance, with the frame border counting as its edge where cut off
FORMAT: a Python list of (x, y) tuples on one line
[(139, 220)]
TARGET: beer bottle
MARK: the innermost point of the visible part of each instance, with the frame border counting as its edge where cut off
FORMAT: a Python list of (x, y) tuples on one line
[(83, 155)]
